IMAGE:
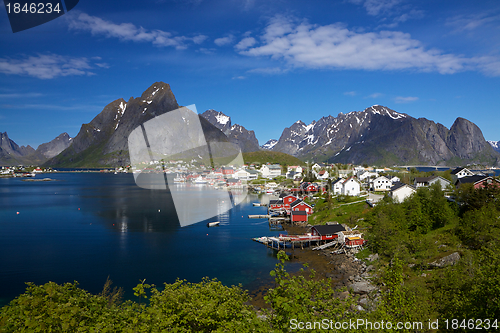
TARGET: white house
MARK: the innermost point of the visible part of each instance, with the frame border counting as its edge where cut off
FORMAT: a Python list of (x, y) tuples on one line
[(296, 168), (429, 181), (351, 186), (252, 174), (242, 174), (367, 174), (337, 186), (395, 179), (381, 184), (460, 173), (270, 171), (345, 173), (323, 174), (401, 191)]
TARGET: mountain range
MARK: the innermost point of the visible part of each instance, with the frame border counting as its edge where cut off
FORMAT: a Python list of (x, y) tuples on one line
[(13, 154), (379, 135), (236, 134), (495, 145), (376, 135)]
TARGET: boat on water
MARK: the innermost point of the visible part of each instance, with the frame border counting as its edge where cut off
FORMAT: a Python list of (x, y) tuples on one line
[(263, 239), (200, 180), (213, 224)]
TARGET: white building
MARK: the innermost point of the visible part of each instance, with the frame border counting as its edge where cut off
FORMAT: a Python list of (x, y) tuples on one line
[(351, 186), (401, 191), (270, 171), (337, 186), (381, 184)]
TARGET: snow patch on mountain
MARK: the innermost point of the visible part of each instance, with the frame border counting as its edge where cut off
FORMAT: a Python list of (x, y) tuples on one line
[(269, 144), (222, 119), (495, 145)]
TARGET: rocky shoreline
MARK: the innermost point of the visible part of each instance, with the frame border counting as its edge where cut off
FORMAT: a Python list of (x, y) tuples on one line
[(345, 270)]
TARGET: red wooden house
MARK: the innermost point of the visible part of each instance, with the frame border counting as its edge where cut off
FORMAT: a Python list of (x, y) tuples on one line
[(298, 216), (227, 171), (300, 205), (288, 200), (276, 204), (478, 181), (327, 232)]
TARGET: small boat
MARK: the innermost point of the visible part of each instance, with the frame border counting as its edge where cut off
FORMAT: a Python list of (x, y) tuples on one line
[(200, 180), (263, 240), (212, 224), (257, 204)]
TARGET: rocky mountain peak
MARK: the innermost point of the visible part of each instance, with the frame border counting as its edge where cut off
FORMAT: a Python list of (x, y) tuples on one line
[(56, 146), (269, 144), (218, 119), (236, 134), (495, 145)]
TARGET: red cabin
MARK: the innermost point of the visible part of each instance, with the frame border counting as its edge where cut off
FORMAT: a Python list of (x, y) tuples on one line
[(300, 205), (327, 232), (298, 216)]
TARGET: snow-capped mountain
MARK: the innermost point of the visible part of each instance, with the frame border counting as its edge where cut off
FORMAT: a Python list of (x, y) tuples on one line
[(218, 119), (495, 145), (269, 144), (381, 135), (237, 134)]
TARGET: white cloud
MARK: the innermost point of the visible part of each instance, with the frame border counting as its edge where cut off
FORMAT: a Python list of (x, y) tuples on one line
[(245, 43), (224, 40), (199, 39), (128, 31), (473, 21), (408, 99), (268, 70), (239, 77), (334, 46), (375, 95), (350, 93), (376, 7), (46, 66)]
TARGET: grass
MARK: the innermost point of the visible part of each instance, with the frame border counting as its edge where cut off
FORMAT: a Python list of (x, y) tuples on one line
[(263, 157), (349, 214)]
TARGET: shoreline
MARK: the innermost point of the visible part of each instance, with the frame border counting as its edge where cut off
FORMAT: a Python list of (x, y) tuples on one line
[(340, 268)]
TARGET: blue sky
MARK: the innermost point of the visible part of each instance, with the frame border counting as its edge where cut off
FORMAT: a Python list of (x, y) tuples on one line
[(266, 63)]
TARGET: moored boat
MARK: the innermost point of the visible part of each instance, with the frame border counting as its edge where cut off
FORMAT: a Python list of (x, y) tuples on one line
[(213, 224)]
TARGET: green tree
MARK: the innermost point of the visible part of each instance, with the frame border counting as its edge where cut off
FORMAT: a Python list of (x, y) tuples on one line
[(303, 299)]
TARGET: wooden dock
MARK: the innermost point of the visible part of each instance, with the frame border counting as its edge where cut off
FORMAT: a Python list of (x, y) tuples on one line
[(259, 216)]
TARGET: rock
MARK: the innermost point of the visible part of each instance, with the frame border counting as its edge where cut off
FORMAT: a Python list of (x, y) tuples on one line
[(373, 257), (450, 260), (360, 308), (344, 295), (411, 265), (362, 287), (423, 275), (370, 268)]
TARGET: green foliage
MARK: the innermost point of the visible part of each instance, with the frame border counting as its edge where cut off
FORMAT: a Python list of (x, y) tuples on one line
[(471, 289), (303, 299), (202, 307), (480, 227), (58, 308), (397, 303), (207, 306), (472, 198), (273, 157)]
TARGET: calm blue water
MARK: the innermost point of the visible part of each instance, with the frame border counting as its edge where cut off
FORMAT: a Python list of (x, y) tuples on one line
[(88, 226)]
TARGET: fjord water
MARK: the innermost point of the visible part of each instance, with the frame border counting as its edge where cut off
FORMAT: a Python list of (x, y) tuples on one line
[(87, 226)]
